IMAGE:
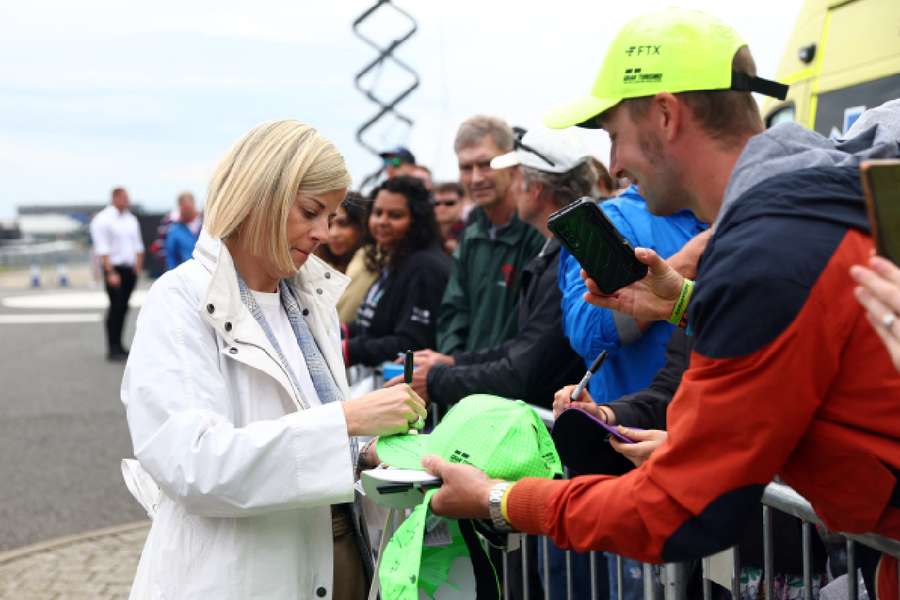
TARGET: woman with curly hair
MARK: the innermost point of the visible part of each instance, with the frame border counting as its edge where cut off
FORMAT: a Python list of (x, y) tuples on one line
[(399, 311)]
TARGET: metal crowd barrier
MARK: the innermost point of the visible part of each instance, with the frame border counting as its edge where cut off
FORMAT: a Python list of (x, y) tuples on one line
[(670, 581)]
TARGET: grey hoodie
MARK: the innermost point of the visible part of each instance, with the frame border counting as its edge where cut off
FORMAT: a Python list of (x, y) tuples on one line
[(791, 147)]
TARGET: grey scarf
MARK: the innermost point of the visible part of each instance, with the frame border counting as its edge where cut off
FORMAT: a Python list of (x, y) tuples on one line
[(323, 381)]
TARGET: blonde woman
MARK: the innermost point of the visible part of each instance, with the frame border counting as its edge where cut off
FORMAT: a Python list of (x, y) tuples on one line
[(236, 393)]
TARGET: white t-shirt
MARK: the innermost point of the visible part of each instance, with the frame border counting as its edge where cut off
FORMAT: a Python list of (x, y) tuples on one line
[(116, 235), (273, 311)]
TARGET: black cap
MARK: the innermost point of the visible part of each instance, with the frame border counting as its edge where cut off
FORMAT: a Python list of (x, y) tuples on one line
[(400, 152), (581, 442)]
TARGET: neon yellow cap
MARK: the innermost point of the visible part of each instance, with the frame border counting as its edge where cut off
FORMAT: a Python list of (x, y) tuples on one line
[(673, 50)]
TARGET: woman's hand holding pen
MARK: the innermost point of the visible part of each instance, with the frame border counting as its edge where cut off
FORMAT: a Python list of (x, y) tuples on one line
[(384, 412), (428, 358), (417, 378)]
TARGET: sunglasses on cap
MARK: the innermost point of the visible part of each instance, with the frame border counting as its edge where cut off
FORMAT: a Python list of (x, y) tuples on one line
[(393, 161), (519, 145)]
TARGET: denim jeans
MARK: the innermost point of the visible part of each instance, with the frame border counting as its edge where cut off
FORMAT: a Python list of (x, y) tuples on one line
[(632, 578)]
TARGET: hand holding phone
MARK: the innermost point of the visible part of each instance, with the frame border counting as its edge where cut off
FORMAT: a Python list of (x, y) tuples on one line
[(644, 444), (650, 299), (881, 186)]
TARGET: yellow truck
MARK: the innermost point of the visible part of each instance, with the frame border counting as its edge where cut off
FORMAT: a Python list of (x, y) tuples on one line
[(842, 57)]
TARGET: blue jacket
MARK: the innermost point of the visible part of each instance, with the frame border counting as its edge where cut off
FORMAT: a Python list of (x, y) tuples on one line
[(180, 243), (630, 366)]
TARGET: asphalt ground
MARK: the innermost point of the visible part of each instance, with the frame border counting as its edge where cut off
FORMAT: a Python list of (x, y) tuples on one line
[(62, 425)]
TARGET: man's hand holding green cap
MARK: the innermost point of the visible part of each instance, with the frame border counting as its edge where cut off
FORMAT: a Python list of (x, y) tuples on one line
[(672, 50), (504, 438), (438, 557)]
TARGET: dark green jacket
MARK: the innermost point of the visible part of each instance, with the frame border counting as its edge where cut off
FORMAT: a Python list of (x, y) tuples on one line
[(479, 308)]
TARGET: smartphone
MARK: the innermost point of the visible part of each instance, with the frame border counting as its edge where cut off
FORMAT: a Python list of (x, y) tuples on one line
[(594, 241), (881, 186), (614, 432)]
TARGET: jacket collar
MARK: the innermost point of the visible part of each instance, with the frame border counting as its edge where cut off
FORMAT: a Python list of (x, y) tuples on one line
[(511, 233), (315, 281)]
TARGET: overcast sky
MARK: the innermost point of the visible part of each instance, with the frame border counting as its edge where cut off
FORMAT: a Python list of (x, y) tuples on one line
[(96, 93)]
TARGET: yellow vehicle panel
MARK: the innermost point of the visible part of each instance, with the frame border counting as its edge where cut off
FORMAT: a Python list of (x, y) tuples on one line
[(852, 49)]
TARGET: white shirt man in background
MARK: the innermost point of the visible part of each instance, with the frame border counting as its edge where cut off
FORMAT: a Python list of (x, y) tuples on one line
[(118, 246)]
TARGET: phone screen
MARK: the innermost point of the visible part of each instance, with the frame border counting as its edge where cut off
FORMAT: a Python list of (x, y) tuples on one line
[(593, 240), (883, 195)]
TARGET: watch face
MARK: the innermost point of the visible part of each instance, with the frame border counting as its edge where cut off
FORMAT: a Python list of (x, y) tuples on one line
[(495, 499)]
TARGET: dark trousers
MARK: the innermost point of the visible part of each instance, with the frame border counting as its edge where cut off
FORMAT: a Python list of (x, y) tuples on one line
[(118, 307)]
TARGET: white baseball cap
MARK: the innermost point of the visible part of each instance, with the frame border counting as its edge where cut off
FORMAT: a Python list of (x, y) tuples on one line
[(547, 150)]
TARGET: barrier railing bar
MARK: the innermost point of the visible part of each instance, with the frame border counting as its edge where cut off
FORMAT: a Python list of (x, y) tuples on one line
[(505, 575), (570, 592), (788, 501), (807, 560), (852, 579), (649, 584), (595, 592), (707, 589), (545, 414), (525, 590), (677, 575), (736, 573), (768, 552), (620, 575), (546, 560), (670, 581)]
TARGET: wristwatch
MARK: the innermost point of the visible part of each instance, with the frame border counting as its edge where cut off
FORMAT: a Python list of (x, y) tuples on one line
[(495, 501)]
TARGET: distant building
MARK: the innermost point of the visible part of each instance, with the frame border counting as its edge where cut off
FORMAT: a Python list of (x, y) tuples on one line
[(83, 213), (9, 231), (50, 226), (38, 222)]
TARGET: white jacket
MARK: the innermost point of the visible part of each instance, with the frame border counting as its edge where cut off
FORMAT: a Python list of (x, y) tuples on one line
[(247, 476)]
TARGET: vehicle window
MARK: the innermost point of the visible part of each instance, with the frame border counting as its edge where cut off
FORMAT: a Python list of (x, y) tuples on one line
[(784, 114), (838, 109)]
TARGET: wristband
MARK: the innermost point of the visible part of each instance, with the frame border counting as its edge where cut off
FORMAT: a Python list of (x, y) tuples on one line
[(687, 288), (503, 503)]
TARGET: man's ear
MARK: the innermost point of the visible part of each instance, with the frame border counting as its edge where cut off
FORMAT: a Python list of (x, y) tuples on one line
[(669, 115)]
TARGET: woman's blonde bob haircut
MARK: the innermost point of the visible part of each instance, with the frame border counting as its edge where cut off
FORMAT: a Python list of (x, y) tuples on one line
[(255, 185)]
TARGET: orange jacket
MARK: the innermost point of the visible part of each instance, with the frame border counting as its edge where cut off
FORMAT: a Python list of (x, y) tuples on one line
[(787, 378)]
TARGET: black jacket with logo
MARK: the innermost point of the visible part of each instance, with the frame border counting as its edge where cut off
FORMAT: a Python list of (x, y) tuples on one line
[(405, 315), (530, 366)]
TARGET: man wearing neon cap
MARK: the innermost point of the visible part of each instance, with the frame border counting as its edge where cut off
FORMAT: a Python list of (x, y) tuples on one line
[(786, 378)]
